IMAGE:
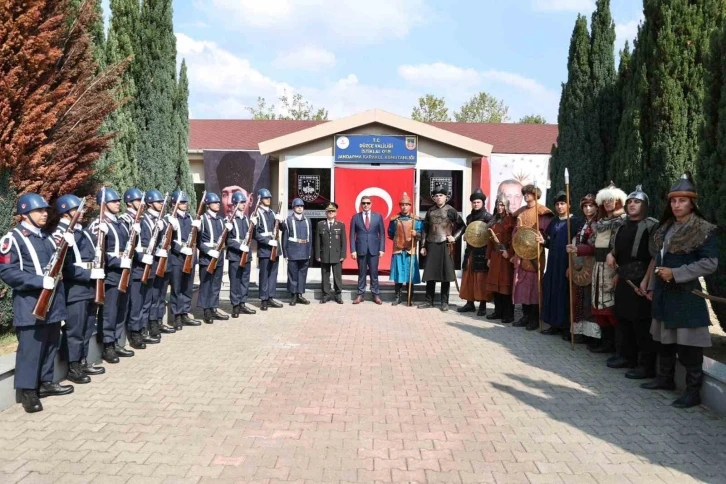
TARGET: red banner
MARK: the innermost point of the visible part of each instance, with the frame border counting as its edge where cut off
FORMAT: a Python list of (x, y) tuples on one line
[(385, 188)]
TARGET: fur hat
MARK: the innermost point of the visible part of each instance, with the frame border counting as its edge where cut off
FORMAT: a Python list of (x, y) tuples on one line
[(531, 189), (589, 198), (478, 195), (684, 187), (611, 192)]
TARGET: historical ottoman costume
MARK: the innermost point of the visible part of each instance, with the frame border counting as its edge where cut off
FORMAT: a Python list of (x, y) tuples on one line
[(403, 230), (499, 253), (584, 259), (686, 249), (611, 215), (526, 280), (475, 267)]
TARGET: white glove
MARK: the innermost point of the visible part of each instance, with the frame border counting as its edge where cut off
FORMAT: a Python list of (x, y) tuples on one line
[(253, 219), (228, 226), (214, 254), (174, 223), (272, 243), (279, 217), (197, 223), (103, 227), (125, 263), (136, 227), (48, 282), (97, 274), (147, 259), (244, 248), (70, 239), (450, 238), (160, 225), (186, 250), (161, 253)]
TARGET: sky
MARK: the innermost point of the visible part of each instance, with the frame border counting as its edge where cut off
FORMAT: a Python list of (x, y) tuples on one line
[(351, 55)]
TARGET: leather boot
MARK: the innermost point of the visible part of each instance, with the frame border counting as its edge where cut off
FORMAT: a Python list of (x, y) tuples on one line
[(109, 353), (301, 299), (75, 373), (245, 309), (122, 352), (692, 396), (136, 341), (293, 301), (607, 342), (620, 362), (522, 322), (208, 317), (263, 305), (187, 321), (430, 291), (397, 294), (89, 369), (50, 389), (146, 337), (469, 307), (666, 375), (445, 302), (273, 304), (235, 311), (178, 322), (163, 328), (533, 321), (154, 329), (645, 369), (482, 309), (219, 316), (31, 402), (497, 314)]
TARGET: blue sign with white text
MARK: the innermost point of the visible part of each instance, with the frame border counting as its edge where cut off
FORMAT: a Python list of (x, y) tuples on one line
[(372, 148)]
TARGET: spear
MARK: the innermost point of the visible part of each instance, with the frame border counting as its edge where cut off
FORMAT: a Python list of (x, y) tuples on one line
[(539, 258), (413, 245), (569, 260)]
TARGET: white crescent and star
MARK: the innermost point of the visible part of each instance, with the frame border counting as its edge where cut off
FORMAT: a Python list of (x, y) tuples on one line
[(375, 192)]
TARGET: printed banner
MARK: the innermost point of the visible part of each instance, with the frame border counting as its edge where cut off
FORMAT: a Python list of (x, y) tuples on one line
[(385, 187), (509, 173), (226, 172), (366, 148)]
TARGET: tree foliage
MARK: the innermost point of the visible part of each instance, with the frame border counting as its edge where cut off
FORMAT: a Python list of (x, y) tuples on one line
[(430, 109), (482, 108), (295, 108), (181, 115), (533, 119)]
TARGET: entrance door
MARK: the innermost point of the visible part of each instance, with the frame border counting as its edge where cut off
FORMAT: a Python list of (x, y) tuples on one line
[(313, 186), (453, 181)]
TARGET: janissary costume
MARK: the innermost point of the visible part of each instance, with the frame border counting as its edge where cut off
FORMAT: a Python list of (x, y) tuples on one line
[(680, 318), (526, 282), (555, 285), (400, 231), (474, 275), (585, 326), (603, 291), (501, 270)]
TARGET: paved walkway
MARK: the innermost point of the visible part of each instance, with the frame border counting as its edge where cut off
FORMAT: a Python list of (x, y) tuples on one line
[(360, 394)]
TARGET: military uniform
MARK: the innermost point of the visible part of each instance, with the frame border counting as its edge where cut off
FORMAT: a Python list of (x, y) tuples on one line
[(265, 235), (211, 284), (297, 245), (330, 250), (237, 244), (182, 285), (160, 286)]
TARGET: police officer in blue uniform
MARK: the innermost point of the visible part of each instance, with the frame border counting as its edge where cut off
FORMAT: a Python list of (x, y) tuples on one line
[(182, 285), (115, 305), (265, 236), (297, 246), (210, 284), (25, 252), (79, 281), (237, 243)]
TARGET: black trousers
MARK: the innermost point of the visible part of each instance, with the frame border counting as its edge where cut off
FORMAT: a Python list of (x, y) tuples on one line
[(239, 282), (35, 358), (632, 338), (297, 275), (78, 329), (503, 305), (116, 312), (337, 271), (182, 287), (268, 278), (431, 291)]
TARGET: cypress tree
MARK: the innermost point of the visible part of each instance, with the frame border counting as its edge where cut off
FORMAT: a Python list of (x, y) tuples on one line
[(95, 29), (573, 149), (181, 113)]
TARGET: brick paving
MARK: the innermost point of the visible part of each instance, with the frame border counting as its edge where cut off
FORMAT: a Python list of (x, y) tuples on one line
[(361, 394)]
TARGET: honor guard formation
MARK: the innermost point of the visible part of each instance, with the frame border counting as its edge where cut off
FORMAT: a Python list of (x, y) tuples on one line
[(614, 279)]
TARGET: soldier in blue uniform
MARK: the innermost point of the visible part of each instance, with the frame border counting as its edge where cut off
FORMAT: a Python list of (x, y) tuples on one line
[(115, 306), (182, 285), (237, 243), (297, 245), (210, 284), (160, 286), (79, 279), (25, 251), (265, 236)]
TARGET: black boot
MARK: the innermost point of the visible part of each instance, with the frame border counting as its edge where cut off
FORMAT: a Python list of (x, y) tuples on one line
[(263, 305), (692, 396), (136, 340), (497, 314), (533, 322), (482, 309), (178, 322), (645, 369), (122, 352), (274, 304), (666, 374), (620, 361), (148, 338), (444, 300), (109, 354), (163, 328), (154, 330), (301, 299), (469, 307), (522, 322), (245, 309), (397, 294), (31, 402), (208, 316), (187, 321), (235, 311), (430, 290), (293, 301), (89, 369), (75, 373), (607, 342), (219, 316), (50, 389)]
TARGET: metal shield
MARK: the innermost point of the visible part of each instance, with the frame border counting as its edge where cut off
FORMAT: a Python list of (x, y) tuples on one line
[(476, 234), (582, 270), (525, 243)]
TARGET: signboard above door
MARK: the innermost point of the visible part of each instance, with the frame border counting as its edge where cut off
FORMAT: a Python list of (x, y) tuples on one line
[(371, 148)]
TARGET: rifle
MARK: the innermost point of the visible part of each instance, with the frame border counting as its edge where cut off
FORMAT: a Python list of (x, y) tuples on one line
[(248, 238), (128, 254), (99, 260), (149, 253), (166, 244), (273, 252), (55, 267), (222, 240), (191, 242)]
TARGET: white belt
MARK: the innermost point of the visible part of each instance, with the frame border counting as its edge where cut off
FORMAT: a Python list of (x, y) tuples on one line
[(210, 244), (267, 234), (84, 265), (298, 241), (113, 254)]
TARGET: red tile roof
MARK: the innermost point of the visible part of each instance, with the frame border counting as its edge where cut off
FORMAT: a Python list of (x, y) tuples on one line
[(246, 134)]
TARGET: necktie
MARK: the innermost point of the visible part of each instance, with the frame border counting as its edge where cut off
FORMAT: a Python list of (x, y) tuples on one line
[(368, 223)]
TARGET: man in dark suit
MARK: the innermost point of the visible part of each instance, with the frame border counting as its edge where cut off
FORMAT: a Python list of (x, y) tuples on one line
[(367, 244), (330, 251)]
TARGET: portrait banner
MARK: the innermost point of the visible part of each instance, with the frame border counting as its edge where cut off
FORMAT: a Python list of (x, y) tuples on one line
[(226, 172), (509, 173)]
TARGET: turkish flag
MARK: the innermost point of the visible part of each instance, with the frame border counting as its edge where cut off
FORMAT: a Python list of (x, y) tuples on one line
[(385, 188)]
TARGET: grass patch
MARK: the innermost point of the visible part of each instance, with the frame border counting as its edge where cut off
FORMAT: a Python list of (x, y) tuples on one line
[(8, 340)]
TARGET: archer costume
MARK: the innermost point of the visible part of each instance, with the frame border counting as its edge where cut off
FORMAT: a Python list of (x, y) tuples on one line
[(501, 270), (400, 230), (475, 267), (583, 262)]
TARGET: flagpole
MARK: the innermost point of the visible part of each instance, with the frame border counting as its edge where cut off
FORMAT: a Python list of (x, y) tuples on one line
[(539, 256), (569, 260)]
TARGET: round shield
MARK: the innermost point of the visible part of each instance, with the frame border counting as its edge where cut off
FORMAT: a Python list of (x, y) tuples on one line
[(525, 243), (476, 234), (582, 270)]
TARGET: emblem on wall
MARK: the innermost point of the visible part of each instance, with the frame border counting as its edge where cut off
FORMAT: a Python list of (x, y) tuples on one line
[(308, 187), (445, 181), (410, 143)]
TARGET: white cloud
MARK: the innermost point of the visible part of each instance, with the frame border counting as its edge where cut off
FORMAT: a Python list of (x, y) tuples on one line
[(626, 31), (438, 73), (307, 58), (372, 21), (582, 6)]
